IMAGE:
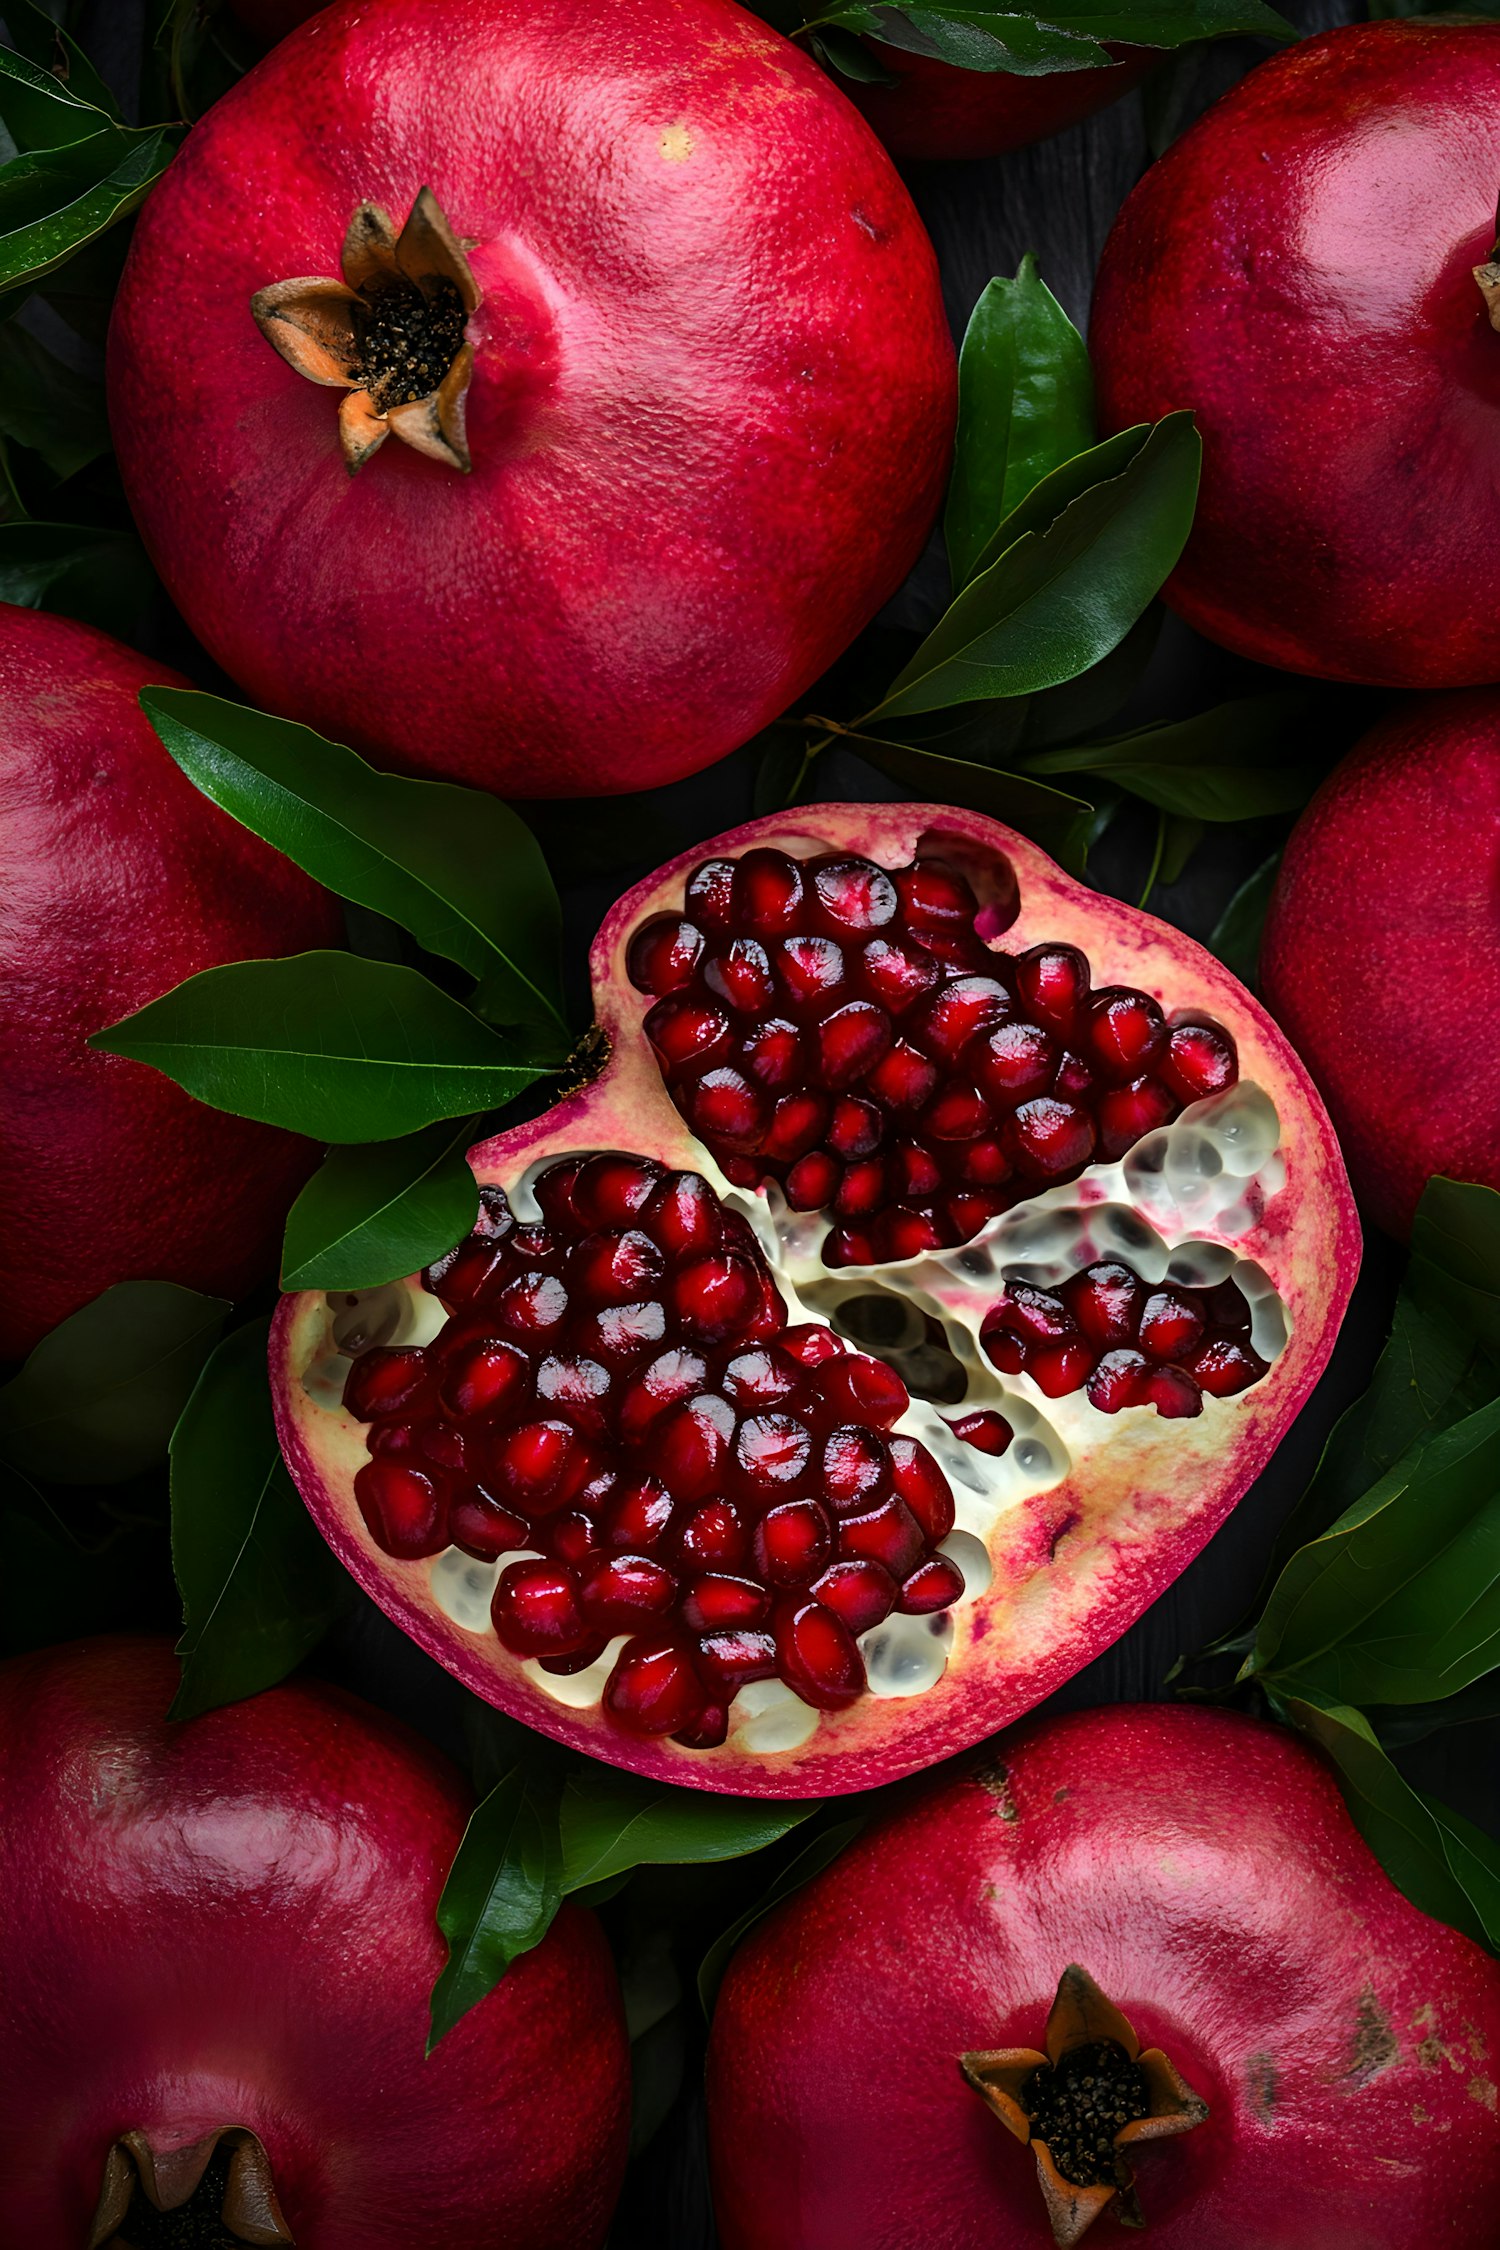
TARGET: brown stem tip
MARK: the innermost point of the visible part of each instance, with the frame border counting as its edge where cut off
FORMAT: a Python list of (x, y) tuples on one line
[(1082, 2102), (169, 2178), (391, 334)]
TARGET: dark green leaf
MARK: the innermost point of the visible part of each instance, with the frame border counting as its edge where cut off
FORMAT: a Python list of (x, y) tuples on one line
[(455, 867), (1058, 601), (989, 39), (820, 1852), (1182, 836), (34, 34), (1399, 1724), (325, 1044), (1025, 405), (96, 1401), (1081, 706), (370, 1215), (38, 108), (53, 201), (1237, 933), (1239, 762), (843, 52), (1061, 825), (781, 770), (44, 405), (78, 570), (1071, 480), (1441, 1863), (503, 1889), (1454, 1272), (611, 1822), (259, 1588)]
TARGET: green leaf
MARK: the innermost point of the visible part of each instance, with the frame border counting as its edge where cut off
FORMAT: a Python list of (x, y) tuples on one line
[(1440, 1861), (1061, 825), (54, 201), (820, 1852), (96, 1401), (1399, 1724), (1399, 1601), (611, 1822), (1058, 601), (1454, 1272), (44, 405), (373, 1214), (326, 1044), (988, 39), (503, 1889), (259, 1588), (34, 34), (843, 52), (1237, 933), (1071, 480), (1241, 761), (77, 570), (456, 867), (1025, 405), (38, 107)]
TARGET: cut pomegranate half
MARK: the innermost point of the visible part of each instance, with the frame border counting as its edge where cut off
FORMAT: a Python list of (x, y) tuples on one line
[(767, 1444)]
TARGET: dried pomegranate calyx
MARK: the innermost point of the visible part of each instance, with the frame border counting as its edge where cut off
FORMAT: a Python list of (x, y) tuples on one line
[(1026, 2087), (391, 334), (169, 2178)]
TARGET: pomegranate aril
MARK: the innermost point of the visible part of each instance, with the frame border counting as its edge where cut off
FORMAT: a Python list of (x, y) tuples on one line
[(572, 1537), (663, 954), (1003, 1347), (797, 1121), (934, 1585), (922, 1488), (1170, 1325), (812, 1181), (712, 1296), (654, 1689), (724, 1107), (689, 1448), (855, 1469), (539, 1466), (1224, 1366), (404, 1508), (1116, 1381), (707, 1731), (687, 1034), (384, 1381), (1037, 1314), (553, 1190), (858, 1388), (468, 1274), (956, 1113), (485, 1376), (817, 1656), (766, 892), (810, 970), (681, 1213), (1052, 984), (897, 975), (1126, 1114), (717, 1603), (1012, 1063), (533, 1305), (908, 1234), (710, 894), (535, 1609), (772, 1449), (1126, 1032), (616, 1266), (393, 1439), (760, 1378), (772, 1053), (729, 1661), (889, 1535), (740, 976), (966, 1214), (792, 1542), (851, 1041), (640, 1514), (1058, 1369), (1200, 1060), (862, 1189), (985, 1430), (713, 1538), (575, 1387), (1072, 1078), (672, 1376), (444, 1446), (959, 1013), (1051, 1137), (850, 1246), (915, 1172), (482, 1528), (622, 1334), (903, 1078), (578, 1660), (812, 1345), (855, 1127), (983, 1163), (1105, 1300), (1174, 1394), (860, 1592), (935, 898), (853, 896), (626, 1593)]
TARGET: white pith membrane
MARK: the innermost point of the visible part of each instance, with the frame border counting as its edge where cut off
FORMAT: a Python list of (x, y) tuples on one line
[(1174, 1209)]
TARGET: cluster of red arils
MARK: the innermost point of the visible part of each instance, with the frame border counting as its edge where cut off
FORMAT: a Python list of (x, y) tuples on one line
[(1126, 1343)]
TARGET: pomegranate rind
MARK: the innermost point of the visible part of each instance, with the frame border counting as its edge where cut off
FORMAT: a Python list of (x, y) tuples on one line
[(1202, 1867), (1074, 1565)]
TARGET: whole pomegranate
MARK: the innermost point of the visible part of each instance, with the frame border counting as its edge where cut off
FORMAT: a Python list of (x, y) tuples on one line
[(117, 880), (937, 111), (940, 1253), (1396, 1017), (218, 1943), (1299, 269), (656, 333), (1151, 1943)]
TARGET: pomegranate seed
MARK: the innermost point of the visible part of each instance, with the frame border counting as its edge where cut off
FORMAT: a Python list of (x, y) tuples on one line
[(710, 894), (915, 1170), (723, 1107), (851, 1041), (861, 1593), (1072, 1078), (672, 1376), (889, 1535), (1058, 1369), (532, 1245), (1052, 982), (663, 954), (1200, 1060), (535, 1609), (1127, 1113), (862, 1189), (935, 1584), (1116, 1381), (468, 1274), (985, 1430), (689, 1447), (766, 892), (1126, 1032), (481, 1379), (728, 1661), (402, 1507), (443, 1446), (578, 1659), (1170, 1325), (482, 1528), (539, 1466), (1225, 1306), (713, 1538), (813, 1345), (966, 1214), (936, 899), (740, 976), (712, 1296), (1013, 1063), (682, 1213), (571, 1538), (532, 1305), (624, 1593), (984, 1163), (653, 1688), (554, 1191), (1105, 1300), (792, 1542), (772, 1449), (760, 1378), (707, 1731), (812, 1181), (855, 1127), (393, 1439), (772, 1052), (897, 975), (850, 1246), (903, 1078), (622, 1333), (959, 1012), (1224, 1366), (817, 1656), (640, 1514), (1052, 1137), (810, 969), (385, 1380), (853, 895), (615, 1267), (1036, 1314), (1174, 1394), (687, 1034), (956, 1113), (909, 1234), (716, 1603), (922, 1487), (1003, 1347), (577, 1388), (858, 1388), (855, 1469), (797, 1122)]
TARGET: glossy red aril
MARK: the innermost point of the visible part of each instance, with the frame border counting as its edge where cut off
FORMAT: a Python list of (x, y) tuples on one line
[(222, 1936), (656, 1469), (501, 282), (1343, 525), (1296, 2056)]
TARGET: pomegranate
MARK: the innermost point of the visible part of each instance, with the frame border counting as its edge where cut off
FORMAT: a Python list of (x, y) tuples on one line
[(219, 1941), (118, 880), (937, 111), (657, 333), (798, 1417), (1299, 269), (1151, 1943), (1413, 814)]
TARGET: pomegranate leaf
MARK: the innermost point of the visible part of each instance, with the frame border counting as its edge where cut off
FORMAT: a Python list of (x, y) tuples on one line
[(611, 1822), (325, 1044), (39, 108), (1455, 1257), (1062, 825), (1239, 761), (44, 405), (259, 1588), (1057, 601), (1058, 37), (456, 867), (100, 577), (1237, 933), (1025, 405), (1442, 1863), (369, 1215), (34, 35), (503, 1889), (54, 200), (96, 1401)]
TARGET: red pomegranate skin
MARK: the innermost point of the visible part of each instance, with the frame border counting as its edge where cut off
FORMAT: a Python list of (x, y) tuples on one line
[(1381, 956), (117, 880), (1297, 271), (1202, 1868), (937, 112), (710, 414), (231, 1922)]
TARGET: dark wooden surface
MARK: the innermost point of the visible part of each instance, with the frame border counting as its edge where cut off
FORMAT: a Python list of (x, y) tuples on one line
[(1058, 200)]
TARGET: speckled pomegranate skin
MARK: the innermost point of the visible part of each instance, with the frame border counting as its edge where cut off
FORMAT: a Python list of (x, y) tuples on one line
[(1202, 1868), (1382, 950), (710, 414), (117, 880), (231, 1922), (936, 112), (1297, 271)]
